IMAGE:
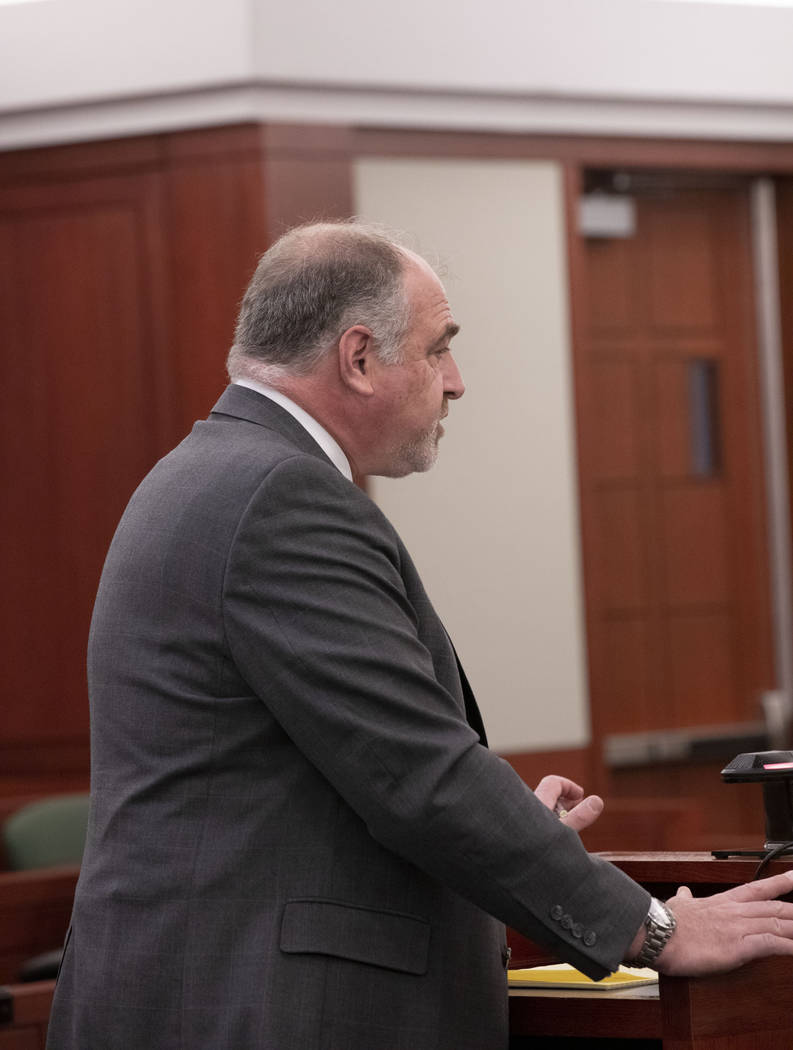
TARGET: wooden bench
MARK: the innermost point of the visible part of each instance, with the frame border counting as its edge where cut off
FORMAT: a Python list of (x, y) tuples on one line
[(24, 1014), (35, 907)]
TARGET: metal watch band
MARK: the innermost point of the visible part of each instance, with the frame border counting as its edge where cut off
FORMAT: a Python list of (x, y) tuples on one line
[(660, 928)]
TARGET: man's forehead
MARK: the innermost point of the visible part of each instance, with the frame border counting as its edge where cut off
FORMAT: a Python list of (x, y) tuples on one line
[(440, 313), (440, 324)]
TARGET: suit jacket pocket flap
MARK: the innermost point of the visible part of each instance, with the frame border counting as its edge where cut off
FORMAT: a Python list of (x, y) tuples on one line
[(381, 938)]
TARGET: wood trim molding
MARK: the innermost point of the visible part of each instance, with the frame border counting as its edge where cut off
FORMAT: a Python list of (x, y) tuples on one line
[(592, 151), (340, 141), (175, 148), (577, 293), (59, 162), (784, 207)]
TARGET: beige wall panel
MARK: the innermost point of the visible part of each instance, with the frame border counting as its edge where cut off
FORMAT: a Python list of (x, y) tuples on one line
[(493, 527)]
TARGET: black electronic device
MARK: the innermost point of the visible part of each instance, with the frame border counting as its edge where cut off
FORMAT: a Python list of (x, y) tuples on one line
[(774, 770)]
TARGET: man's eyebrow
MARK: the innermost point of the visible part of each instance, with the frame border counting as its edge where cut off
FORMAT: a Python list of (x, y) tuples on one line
[(449, 332)]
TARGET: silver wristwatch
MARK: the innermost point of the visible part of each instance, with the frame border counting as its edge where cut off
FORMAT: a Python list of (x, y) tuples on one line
[(660, 925)]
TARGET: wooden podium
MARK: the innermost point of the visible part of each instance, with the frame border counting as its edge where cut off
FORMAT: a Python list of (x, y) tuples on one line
[(748, 1009)]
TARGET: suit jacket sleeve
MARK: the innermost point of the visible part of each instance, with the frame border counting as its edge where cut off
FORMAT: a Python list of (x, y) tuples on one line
[(319, 623)]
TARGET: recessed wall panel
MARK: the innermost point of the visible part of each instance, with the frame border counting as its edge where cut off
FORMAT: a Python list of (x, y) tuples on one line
[(493, 527)]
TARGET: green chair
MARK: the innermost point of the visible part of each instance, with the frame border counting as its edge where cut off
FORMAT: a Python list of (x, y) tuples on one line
[(46, 833)]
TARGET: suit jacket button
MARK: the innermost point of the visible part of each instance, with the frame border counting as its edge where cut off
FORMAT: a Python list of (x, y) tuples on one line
[(589, 938), (557, 911), (577, 930), (567, 922)]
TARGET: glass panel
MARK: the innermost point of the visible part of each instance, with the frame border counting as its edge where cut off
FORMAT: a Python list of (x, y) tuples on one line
[(703, 401)]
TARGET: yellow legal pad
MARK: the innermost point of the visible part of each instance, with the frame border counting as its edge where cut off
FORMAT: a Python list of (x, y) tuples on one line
[(562, 975)]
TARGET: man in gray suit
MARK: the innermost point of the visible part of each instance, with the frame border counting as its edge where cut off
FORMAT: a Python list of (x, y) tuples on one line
[(298, 837)]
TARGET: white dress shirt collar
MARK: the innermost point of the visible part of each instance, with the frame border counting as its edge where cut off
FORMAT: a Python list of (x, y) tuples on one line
[(328, 444)]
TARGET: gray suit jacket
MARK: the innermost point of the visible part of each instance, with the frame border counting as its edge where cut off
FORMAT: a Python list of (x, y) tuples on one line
[(297, 841)]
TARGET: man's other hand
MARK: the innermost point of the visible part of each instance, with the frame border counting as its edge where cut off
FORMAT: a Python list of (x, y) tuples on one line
[(566, 799)]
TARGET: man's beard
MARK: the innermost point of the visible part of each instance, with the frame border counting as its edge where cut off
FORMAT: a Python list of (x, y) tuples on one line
[(417, 455)]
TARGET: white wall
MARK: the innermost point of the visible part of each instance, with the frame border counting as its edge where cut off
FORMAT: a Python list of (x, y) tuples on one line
[(608, 66), (60, 51), (633, 48), (493, 528)]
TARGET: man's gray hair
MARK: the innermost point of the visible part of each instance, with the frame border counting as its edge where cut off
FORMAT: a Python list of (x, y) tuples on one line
[(313, 284)]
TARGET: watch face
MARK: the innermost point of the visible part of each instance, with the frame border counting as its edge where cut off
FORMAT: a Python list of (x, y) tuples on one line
[(659, 915)]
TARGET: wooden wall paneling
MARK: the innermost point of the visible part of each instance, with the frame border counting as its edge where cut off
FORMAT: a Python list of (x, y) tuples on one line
[(122, 265), (215, 232), (224, 142), (79, 427), (308, 172), (230, 193), (306, 190)]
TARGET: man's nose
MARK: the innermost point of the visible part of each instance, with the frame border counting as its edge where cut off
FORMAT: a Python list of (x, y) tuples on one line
[(453, 385)]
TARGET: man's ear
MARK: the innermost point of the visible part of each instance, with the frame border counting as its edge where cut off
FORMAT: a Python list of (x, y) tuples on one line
[(356, 353)]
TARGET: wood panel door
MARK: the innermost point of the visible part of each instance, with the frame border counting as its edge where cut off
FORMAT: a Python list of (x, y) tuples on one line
[(673, 501), (82, 375)]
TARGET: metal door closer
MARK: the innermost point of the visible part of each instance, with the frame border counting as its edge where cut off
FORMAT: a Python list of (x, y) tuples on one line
[(774, 770)]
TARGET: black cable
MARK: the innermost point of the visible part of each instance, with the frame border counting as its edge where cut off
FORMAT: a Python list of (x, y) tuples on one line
[(772, 854)]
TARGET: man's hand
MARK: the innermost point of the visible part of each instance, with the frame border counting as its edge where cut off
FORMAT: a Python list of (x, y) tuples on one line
[(722, 932), (566, 799)]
